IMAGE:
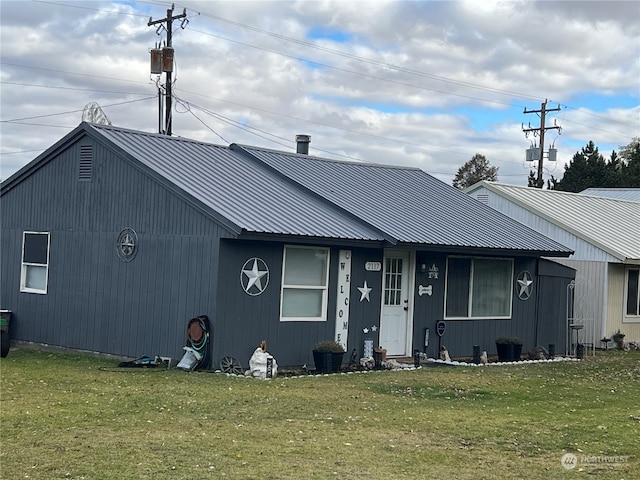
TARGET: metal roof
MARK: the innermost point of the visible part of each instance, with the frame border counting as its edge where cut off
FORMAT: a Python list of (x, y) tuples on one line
[(610, 224), (264, 191), (249, 196), (631, 194), (408, 204)]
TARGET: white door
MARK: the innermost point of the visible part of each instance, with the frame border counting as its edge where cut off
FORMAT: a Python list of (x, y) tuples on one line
[(395, 303)]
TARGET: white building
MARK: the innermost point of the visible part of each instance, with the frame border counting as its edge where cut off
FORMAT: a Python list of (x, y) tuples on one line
[(604, 232)]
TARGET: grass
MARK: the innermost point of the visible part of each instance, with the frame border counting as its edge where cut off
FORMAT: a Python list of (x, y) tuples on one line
[(80, 417)]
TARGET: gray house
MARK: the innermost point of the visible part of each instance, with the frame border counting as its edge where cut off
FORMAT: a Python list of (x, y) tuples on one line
[(113, 239), (602, 226)]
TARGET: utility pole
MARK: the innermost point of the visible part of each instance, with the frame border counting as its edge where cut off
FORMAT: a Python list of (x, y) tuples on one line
[(167, 60), (540, 131)]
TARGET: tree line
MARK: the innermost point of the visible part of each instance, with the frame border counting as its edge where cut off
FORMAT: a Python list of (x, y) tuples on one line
[(587, 169)]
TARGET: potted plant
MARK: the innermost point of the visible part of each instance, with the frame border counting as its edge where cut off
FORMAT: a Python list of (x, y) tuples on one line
[(509, 348), (327, 356), (618, 338)]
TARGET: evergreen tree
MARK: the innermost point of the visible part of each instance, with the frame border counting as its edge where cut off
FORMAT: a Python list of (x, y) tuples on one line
[(474, 170), (586, 169), (630, 168)]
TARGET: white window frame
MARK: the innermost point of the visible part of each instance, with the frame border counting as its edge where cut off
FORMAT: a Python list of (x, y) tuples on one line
[(626, 318), (25, 266), (323, 288), (470, 293)]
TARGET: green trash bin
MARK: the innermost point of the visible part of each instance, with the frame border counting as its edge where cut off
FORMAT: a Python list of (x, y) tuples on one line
[(5, 318), (5, 341)]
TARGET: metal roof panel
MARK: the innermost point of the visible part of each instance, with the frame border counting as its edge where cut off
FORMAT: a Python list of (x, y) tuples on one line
[(250, 196), (407, 203)]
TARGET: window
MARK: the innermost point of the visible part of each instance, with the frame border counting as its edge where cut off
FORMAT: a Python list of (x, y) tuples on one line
[(393, 281), (633, 292), (304, 284), (478, 287), (35, 262)]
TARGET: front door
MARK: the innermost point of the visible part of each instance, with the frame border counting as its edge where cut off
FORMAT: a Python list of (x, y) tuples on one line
[(395, 303)]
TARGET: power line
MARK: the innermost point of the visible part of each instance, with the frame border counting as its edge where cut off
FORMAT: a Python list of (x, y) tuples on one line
[(370, 61), (302, 59), (69, 88), (338, 52), (66, 72), (73, 111)]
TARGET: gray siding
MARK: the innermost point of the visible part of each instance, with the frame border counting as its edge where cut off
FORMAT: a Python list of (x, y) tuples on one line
[(244, 320), (461, 335), (553, 279), (96, 301)]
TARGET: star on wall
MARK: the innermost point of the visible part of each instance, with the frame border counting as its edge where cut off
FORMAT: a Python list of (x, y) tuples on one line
[(525, 283), (255, 275), (364, 292)]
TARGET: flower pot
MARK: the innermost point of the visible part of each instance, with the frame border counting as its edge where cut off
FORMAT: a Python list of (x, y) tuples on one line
[(505, 352), (327, 362), (517, 352)]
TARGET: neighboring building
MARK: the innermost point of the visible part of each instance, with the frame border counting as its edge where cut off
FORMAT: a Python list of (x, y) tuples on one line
[(631, 194), (605, 235), (113, 239)]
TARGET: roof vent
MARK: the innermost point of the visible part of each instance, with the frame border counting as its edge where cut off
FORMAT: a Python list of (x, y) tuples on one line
[(302, 144)]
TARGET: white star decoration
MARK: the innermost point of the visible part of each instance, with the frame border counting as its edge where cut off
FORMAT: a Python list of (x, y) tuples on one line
[(364, 292), (255, 276), (525, 283)]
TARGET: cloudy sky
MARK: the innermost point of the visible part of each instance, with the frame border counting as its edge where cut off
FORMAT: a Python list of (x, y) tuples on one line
[(425, 84)]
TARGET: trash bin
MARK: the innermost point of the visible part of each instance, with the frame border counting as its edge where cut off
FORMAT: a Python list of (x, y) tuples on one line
[(5, 341), (5, 318)]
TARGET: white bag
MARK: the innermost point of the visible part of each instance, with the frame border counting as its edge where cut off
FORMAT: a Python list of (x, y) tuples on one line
[(258, 364)]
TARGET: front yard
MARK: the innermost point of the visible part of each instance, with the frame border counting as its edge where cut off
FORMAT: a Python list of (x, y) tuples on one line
[(81, 417)]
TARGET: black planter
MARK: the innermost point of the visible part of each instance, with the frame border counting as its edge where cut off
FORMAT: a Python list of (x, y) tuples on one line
[(505, 352), (327, 362), (517, 352), (509, 352)]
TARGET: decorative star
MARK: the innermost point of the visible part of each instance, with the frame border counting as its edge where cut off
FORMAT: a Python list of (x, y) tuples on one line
[(255, 276), (525, 283), (365, 330), (374, 328), (364, 292)]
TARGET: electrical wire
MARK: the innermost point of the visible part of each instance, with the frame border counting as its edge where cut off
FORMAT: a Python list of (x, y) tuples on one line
[(336, 52), (326, 50)]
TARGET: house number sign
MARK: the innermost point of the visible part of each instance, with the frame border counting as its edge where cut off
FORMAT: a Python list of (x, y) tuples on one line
[(373, 266), (342, 303)]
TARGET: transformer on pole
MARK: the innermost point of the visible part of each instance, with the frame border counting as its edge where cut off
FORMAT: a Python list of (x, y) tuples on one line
[(162, 62)]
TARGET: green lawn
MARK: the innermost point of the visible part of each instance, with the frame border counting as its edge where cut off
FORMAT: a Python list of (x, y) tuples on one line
[(80, 417)]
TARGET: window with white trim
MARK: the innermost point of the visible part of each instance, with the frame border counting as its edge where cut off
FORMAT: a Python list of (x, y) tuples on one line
[(35, 262), (478, 288), (305, 278), (633, 293)]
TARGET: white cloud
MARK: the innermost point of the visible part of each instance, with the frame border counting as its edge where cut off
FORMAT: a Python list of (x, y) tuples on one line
[(466, 70)]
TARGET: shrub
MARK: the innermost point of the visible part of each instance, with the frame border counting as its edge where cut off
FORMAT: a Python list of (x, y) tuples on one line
[(329, 346), (508, 341)]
